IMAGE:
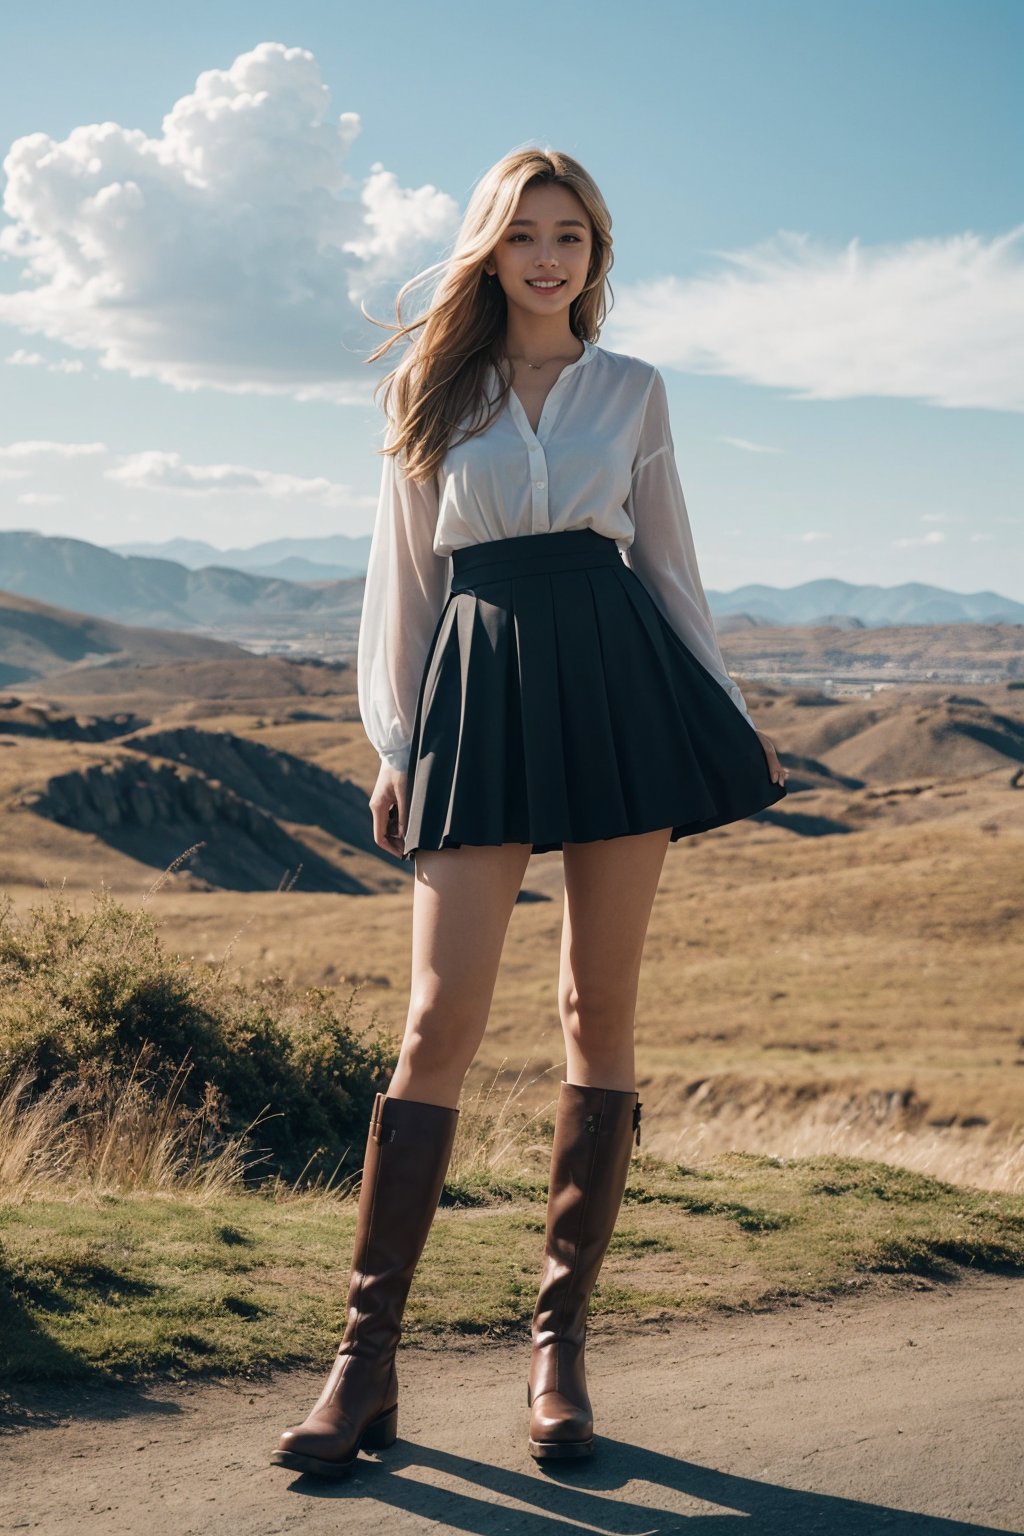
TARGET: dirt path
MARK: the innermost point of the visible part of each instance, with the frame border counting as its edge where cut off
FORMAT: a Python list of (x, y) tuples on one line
[(898, 1413)]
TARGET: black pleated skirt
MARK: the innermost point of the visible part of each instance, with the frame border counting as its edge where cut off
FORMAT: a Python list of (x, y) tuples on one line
[(557, 704)]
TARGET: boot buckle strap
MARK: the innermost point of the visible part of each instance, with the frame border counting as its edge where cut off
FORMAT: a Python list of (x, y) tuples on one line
[(378, 1130), (636, 1120)]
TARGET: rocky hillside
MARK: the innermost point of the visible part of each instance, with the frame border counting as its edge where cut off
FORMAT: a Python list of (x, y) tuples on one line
[(254, 817)]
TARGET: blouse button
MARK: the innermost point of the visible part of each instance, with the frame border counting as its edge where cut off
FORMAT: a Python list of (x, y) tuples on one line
[(539, 483)]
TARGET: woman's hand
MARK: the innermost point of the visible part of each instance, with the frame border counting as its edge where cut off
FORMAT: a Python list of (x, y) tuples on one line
[(775, 768), (389, 804)]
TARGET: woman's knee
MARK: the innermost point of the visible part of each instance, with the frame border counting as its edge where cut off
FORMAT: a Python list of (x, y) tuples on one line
[(595, 1013), (599, 1045), (441, 1039)]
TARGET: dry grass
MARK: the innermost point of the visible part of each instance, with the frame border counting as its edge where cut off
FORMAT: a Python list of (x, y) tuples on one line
[(81, 1139), (85, 1138), (499, 1133), (987, 1158)]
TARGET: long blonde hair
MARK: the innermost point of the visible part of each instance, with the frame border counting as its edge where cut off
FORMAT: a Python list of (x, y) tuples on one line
[(440, 380)]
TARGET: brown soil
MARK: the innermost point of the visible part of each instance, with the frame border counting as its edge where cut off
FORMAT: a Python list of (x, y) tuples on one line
[(896, 1411)]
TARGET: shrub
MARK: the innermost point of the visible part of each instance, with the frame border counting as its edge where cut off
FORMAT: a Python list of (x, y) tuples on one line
[(87, 996)]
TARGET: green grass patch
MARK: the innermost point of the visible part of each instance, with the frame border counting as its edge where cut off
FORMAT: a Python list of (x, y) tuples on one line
[(135, 1286)]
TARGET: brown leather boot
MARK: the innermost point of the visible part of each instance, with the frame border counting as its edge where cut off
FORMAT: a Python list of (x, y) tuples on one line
[(408, 1148), (589, 1164)]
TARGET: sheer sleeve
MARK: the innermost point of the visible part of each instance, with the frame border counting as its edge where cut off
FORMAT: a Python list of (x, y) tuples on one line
[(662, 552), (406, 586)]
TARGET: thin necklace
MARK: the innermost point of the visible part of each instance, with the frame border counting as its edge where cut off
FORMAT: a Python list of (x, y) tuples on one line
[(540, 365)]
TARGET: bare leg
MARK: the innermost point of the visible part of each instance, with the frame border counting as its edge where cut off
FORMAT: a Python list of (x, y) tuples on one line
[(610, 888), (462, 903), (609, 891)]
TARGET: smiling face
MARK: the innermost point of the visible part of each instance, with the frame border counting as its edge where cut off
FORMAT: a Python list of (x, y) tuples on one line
[(547, 240)]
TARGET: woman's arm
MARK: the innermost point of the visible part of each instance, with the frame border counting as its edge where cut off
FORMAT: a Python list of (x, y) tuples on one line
[(662, 552), (406, 586)]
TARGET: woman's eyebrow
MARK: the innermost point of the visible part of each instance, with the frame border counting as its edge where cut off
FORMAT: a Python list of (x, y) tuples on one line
[(557, 221)]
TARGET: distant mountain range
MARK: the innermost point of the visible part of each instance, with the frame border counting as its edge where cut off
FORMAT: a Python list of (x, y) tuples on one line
[(191, 591), (165, 594), (333, 558), (828, 600)]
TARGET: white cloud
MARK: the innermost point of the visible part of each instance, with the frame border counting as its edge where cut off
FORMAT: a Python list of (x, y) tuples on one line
[(939, 320), (39, 499), (20, 358), (158, 471), (933, 536), (43, 449), (748, 447), (232, 251), (813, 535)]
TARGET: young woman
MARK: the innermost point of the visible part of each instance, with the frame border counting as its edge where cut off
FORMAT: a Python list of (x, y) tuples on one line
[(538, 670)]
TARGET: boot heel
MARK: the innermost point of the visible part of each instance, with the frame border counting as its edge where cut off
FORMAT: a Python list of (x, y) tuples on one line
[(382, 1432), (560, 1450)]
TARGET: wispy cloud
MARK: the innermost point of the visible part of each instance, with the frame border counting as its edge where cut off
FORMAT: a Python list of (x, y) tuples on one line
[(39, 499), (933, 536), (40, 448), (939, 320), (748, 447), (158, 471), (231, 251), (20, 358)]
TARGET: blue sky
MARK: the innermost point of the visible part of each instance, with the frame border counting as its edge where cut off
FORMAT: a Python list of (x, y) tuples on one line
[(819, 237)]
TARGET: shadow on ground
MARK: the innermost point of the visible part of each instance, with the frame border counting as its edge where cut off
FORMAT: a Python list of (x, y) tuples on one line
[(571, 1499)]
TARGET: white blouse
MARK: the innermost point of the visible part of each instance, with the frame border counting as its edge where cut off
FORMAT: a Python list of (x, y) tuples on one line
[(602, 457)]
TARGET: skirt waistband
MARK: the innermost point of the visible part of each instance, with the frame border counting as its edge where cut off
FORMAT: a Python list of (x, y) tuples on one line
[(568, 549)]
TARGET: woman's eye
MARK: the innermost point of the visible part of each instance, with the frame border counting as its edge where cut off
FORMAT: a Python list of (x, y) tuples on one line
[(521, 235)]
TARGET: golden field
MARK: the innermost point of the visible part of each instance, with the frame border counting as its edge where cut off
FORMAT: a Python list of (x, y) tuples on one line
[(843, 974)]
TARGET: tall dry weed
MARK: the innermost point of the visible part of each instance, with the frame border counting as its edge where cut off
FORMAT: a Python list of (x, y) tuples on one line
[(90, 1136), (985, 1157)]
